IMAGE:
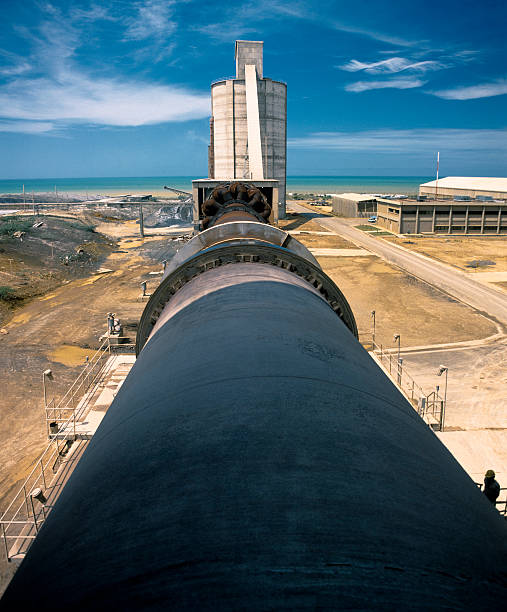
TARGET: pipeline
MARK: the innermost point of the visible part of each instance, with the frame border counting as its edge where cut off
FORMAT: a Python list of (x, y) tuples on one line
[(257, 458)]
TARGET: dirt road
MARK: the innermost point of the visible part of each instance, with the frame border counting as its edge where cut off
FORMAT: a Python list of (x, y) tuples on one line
[(451, 281)]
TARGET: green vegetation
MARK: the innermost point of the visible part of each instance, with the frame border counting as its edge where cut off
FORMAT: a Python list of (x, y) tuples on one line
[(10, 225), (309, 196), (371, 229), (7, 294), (83, 227)]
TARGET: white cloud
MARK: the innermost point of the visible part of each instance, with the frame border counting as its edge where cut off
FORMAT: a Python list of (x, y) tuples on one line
[(66, 95), (401, 83), (408, 141), (26, 127), (246, 18), (392, 65), (153, 19), (466, 55), (486, 90), (15, 69), (94, 13), (225, 32), (256, 15), (76, 98), (374, 34)]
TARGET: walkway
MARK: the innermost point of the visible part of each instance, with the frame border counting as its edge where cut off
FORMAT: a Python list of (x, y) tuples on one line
[(25, 515)]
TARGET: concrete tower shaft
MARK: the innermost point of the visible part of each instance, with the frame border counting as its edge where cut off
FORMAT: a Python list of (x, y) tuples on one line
[(249, 123)]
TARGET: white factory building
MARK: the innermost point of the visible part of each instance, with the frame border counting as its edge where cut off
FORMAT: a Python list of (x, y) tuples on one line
[(466, 186), (248, 126)]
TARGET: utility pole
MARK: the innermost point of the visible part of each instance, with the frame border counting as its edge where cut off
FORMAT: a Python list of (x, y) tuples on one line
[(373, 335), (441, 370), (436, 183), (397, 338), (141, 221)]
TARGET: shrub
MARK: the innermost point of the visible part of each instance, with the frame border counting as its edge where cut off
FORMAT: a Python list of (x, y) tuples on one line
[(7, 294), (9, 225), (83, 227)]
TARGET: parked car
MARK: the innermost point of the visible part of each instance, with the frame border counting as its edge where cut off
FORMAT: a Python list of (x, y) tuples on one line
[(372, 219)]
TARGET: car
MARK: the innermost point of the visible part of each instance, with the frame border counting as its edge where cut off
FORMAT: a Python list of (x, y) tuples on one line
[(372, 219)]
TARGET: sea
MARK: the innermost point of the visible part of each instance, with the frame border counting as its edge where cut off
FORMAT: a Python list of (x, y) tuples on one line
[(94, 186)]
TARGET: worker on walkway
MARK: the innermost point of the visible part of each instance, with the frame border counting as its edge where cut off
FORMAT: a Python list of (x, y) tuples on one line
[(491, 486)]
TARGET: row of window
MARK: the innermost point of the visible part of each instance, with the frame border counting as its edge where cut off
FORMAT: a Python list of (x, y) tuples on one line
[(470, 228)]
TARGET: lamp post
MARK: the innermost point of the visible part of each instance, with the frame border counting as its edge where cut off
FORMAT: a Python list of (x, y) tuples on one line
[(49, 375), (441, 370), (373, 335), (397, 338)]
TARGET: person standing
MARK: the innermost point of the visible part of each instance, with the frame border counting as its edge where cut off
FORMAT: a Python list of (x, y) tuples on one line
[(491, 486)]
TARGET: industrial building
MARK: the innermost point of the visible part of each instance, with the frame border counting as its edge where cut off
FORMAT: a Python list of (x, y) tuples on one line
[(248, 125), (354, 205), (466, 186), (442, 217)]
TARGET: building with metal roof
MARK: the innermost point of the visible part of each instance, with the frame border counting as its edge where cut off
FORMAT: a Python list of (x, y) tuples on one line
[(443, 217), (354, 204), (467, 186)]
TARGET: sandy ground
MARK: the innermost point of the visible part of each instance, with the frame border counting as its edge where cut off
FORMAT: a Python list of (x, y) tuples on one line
[(460, 252), (57, 331), (399, 300), (477, 380)]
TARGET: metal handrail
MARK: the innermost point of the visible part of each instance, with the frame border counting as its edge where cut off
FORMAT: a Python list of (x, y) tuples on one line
[(21, 512), (82, 388), (498, 502), (91, 363), (23, 500), (433, 402)]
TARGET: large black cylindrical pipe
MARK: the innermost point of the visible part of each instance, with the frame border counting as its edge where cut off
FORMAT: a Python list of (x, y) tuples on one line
[(257, 458)]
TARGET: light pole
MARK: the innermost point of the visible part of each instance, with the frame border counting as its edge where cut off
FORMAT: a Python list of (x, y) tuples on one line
[(49, 375), (373, 316), (441, 370), (397, 338)]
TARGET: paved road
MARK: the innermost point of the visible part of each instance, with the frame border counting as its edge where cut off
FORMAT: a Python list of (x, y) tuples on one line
[(452, 281)]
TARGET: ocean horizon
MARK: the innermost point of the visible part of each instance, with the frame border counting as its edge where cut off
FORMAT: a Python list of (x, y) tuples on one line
[(155, 184)]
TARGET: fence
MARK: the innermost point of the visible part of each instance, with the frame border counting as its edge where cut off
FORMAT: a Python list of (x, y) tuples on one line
[(62, 417), (22, 520), (501, 502), (29, 508), (430, 407)]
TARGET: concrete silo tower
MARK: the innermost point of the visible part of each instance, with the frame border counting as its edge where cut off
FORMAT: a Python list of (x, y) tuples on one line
[(248, 127)]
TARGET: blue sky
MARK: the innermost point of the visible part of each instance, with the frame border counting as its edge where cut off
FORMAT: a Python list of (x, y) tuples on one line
[(121, 88)]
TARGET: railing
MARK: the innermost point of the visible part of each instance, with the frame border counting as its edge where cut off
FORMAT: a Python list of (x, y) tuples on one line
[(500, 504), (29, 508), (26, 513), (430, 406), (63, 416)]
